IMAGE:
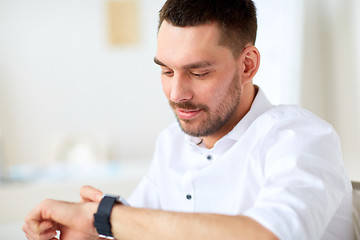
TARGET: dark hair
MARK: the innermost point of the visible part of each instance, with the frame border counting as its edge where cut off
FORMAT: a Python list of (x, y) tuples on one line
[(236, 19)]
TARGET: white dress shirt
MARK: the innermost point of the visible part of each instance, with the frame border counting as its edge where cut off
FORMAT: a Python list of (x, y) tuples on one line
[(280, 165)]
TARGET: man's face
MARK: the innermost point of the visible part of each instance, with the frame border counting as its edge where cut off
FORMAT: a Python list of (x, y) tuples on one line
[(200, 78)]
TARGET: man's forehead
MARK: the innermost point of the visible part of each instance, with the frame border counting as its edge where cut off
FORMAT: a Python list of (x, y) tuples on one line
[(188, 47), (205, 33)]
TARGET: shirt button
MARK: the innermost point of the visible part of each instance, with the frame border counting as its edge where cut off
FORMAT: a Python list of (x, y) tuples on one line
[(188, 197), (209, 157)]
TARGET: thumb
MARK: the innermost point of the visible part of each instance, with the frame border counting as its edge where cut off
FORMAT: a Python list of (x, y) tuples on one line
[(90, 194)]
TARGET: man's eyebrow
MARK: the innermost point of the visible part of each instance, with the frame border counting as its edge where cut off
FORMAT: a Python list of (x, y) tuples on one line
[(200, 64), (158, 62)]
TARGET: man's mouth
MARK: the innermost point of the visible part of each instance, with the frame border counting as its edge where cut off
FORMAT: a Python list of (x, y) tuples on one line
[(187, 114)]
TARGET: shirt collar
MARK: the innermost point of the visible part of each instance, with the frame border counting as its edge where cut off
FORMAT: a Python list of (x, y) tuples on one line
[(259, 106)]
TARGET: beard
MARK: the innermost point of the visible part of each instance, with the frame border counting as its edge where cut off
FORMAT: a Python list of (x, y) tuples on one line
[(215, 118)]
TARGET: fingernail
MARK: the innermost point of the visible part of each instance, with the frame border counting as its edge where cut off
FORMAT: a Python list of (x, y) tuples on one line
[(98, 197)]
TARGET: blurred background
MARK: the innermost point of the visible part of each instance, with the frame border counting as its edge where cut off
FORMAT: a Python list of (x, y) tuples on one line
[(81, 99)]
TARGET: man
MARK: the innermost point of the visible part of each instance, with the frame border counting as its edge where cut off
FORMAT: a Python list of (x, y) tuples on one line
[(235, 166)]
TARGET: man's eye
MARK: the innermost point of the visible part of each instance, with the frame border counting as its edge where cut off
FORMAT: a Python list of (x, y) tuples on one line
[(199, 75), (167, 73)]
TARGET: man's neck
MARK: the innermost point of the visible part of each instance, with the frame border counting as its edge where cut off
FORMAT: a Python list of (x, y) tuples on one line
[(247, 98)]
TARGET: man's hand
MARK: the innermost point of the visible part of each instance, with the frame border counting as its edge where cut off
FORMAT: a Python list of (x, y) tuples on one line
[(73, 220), (90, 194)]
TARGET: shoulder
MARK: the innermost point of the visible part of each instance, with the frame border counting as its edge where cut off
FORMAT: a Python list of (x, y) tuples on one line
[(297, 134), (294, 131), (291, 111), (294, 117)]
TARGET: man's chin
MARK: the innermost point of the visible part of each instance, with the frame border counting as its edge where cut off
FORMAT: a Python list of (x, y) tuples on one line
[(190, 130)]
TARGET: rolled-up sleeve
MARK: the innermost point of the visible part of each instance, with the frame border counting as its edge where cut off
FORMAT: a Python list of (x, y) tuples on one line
[(304, 180)]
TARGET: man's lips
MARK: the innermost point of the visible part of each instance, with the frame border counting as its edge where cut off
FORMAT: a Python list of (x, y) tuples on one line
[(187, 114)]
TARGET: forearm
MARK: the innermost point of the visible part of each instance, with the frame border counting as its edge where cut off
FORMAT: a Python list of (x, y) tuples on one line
[(76, 221), (135, 223)]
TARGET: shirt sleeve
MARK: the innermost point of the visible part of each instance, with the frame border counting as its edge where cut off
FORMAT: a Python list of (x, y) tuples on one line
[(304, 179), (146, 194)]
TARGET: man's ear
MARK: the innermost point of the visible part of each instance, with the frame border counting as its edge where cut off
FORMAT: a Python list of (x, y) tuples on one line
[(249, 61)]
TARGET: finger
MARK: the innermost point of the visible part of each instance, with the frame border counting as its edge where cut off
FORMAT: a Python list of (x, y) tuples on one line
[(31, 227), (44, 236), (90, 194), (36, 226), (41, 218), (35, 218), (45, 226), (50, 234), (28, 237), (28, 233), (45, 233)]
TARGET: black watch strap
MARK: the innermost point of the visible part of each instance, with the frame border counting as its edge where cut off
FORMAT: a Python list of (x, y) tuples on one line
[(102, 217)]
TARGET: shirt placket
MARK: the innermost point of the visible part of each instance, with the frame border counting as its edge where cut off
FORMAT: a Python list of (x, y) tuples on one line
[(188, 191)]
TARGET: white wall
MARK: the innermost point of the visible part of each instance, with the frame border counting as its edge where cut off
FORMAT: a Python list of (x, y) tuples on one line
[(279, 40), (59, 78), (330, 79)]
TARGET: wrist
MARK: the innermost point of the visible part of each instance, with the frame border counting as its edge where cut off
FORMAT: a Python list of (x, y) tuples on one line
[(102, 221), (91, 208)]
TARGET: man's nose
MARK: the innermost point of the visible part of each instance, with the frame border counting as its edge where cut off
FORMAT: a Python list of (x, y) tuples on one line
[(181, 89)]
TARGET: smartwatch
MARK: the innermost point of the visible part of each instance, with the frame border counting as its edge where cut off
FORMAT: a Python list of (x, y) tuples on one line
[(102, 216)]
